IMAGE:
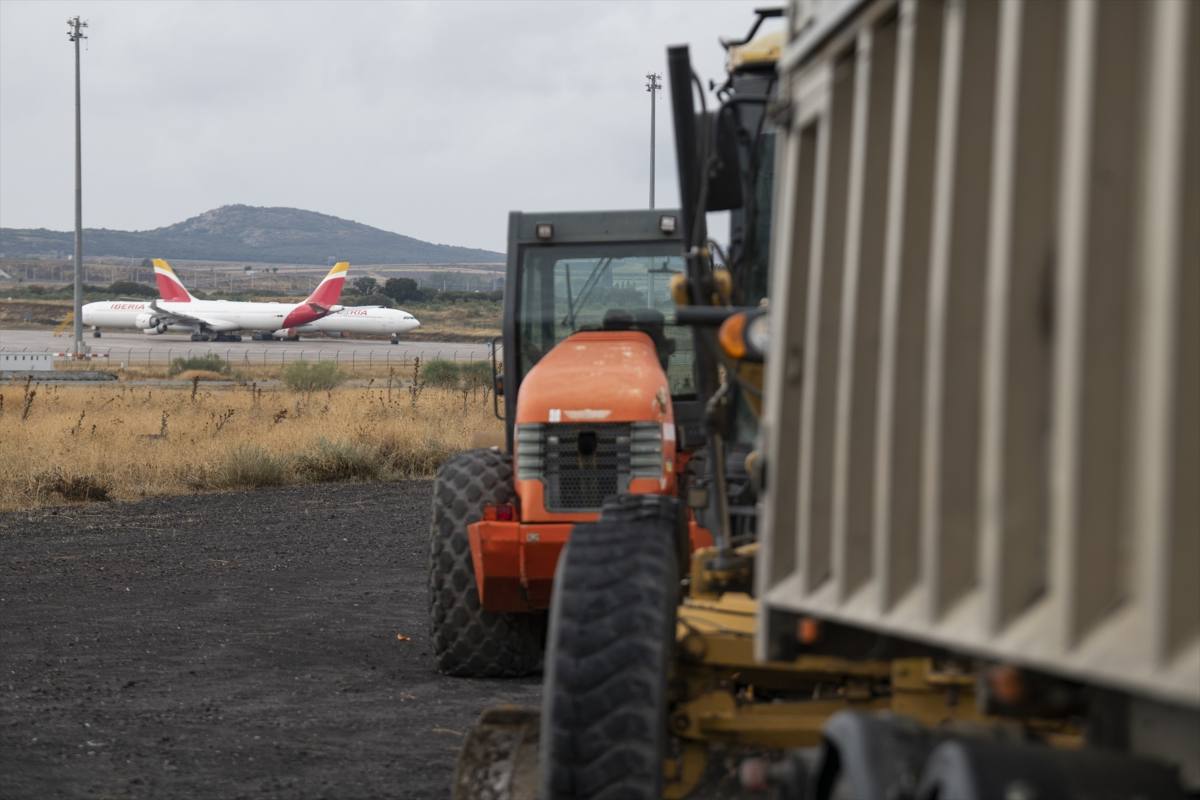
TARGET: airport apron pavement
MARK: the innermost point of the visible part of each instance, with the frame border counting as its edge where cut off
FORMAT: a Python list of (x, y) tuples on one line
[(138, 348)]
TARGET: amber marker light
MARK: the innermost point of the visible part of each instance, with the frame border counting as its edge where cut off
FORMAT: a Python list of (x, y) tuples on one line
[(732, 336)]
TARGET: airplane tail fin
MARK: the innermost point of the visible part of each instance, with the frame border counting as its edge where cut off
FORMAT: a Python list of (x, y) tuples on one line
[(170, 288), (329, 290)]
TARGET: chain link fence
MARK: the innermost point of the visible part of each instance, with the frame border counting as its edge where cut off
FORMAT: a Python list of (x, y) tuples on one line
[(350, 359)]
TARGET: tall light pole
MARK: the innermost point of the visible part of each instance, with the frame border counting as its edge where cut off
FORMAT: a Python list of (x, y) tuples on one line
[(653, 86), (74, 35)]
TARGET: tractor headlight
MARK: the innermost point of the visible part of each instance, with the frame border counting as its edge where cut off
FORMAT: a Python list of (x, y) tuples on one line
[(531, 451), (758, 334), (645, 450)]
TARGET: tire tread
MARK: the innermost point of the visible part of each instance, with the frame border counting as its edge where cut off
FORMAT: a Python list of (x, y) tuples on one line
[(609, 651), (468, 641)]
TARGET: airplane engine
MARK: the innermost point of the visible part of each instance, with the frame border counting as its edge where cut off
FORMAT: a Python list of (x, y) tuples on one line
[(150, 324)]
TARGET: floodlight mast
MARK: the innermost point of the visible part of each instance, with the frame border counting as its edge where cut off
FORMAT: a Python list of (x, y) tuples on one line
[(74, 34), (653, 86)]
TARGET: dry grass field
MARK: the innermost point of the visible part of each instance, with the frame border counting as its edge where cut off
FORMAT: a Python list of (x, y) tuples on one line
[(115, 441)]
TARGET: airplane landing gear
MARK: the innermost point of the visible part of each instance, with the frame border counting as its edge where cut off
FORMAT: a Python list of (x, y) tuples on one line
[(228, 337), (201, 337), (395, 338), (96, 333)]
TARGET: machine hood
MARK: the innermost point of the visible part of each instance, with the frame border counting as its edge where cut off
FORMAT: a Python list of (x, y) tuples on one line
[(600, 376)]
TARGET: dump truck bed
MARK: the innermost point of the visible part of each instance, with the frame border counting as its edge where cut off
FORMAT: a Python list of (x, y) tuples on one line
[(983, 399)]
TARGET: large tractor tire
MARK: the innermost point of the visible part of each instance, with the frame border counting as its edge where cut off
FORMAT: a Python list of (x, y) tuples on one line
[(469, 642), (609, 651)]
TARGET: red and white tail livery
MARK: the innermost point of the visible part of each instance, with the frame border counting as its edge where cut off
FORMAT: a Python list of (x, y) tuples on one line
[(170, 288), (329, 290), (322, 300)]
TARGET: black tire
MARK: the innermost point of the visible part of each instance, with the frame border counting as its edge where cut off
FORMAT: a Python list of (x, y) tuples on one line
[(469, 642), (608, 653)]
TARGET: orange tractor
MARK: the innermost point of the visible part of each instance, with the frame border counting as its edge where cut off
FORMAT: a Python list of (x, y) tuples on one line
[(599, 399)]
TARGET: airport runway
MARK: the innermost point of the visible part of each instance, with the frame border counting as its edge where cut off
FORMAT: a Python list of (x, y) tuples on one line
[(137, 348)]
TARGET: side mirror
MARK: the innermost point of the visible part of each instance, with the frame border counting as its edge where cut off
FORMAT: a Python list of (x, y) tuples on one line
[(497, 377), (724, 177)]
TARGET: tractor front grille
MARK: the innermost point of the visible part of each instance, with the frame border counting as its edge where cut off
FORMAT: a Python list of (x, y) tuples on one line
[(582, 464)]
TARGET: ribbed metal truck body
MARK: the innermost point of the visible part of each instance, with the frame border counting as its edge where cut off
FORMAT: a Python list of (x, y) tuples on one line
[(983, 404)]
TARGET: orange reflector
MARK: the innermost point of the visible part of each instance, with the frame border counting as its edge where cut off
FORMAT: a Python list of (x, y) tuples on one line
[(499, 513), (808, 630), (1007, 684), (732, 335)]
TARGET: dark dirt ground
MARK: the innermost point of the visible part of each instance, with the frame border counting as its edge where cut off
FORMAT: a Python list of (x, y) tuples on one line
[(227, 646)]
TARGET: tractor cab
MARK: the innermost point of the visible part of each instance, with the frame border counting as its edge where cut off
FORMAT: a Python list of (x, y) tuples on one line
[(586, 279)]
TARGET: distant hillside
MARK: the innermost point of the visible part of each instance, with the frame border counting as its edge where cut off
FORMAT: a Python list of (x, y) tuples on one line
[(248, 233)]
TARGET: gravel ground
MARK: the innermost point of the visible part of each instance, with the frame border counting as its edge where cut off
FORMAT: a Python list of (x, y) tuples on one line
[(258, 644)]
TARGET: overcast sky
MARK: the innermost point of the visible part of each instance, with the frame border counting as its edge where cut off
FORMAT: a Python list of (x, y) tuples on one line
[(431, 119)]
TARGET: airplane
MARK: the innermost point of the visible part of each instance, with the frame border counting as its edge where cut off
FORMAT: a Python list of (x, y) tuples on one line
[(202, 317), (177, 310), (390, 322)]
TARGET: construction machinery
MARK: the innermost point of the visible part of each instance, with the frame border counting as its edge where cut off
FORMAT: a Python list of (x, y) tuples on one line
[(612, 680), (598, 394), (973, 569)]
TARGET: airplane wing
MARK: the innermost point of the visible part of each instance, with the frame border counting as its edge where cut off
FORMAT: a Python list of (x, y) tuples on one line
[(212, 323)]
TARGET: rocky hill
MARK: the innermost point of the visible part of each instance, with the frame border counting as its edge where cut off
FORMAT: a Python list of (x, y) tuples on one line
[(248, 233)]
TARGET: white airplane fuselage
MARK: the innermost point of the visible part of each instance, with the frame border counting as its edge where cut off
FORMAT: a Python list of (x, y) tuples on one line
[(360, 320), (225, 315), (118, 313), (352, 320)]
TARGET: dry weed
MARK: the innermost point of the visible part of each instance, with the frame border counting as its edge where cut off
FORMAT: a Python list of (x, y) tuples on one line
[(117, 436)]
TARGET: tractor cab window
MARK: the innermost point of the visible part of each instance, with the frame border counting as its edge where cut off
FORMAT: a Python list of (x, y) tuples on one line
[(569, 288)]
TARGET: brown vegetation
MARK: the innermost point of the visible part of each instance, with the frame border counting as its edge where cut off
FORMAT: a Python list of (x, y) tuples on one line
[(115, 441)]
